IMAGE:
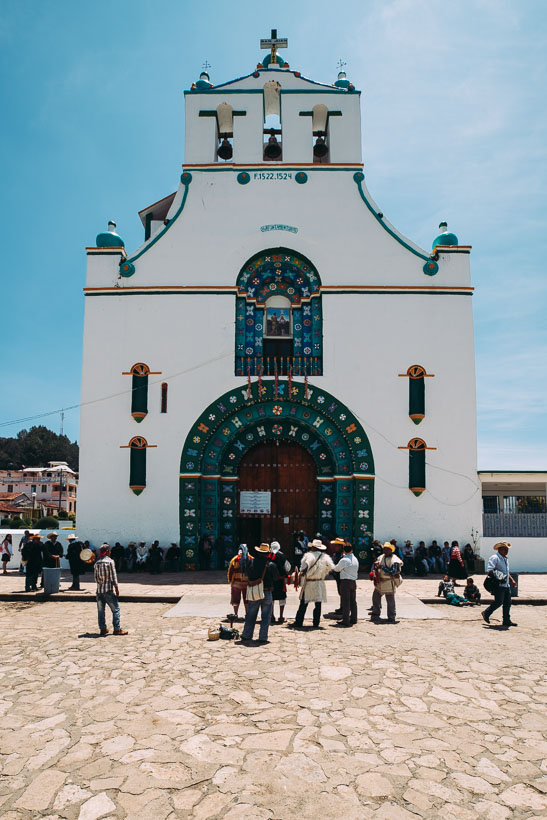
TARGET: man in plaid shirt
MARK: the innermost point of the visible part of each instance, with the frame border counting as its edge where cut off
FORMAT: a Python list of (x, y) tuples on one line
[(107, 591)]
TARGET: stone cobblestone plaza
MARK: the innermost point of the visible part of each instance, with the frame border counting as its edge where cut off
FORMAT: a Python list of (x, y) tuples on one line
[(438, 716)]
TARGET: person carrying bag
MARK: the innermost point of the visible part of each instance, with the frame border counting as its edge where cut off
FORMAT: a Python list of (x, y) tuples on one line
[(262, 574)]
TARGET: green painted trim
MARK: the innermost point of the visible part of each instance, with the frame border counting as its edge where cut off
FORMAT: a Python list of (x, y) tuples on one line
[(186, 179), (310, 114), (270, 166), (122, 292), (213, 113), (358, 179), (217, 90), (113, 252)]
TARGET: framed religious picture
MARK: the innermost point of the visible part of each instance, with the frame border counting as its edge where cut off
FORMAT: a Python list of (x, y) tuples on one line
[(278, 321)]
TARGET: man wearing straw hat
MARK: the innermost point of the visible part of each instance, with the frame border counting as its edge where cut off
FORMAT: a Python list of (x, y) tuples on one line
[(498, 568), (262, 574), (387, 577), (314, 568)]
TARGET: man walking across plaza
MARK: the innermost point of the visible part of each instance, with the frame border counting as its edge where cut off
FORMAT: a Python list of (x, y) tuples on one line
[(314, 568), (387, 577), (107, 591), (498, 568), (348, 567)]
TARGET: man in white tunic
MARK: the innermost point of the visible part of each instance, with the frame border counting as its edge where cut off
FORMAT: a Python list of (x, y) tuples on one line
[(498, 568), (314, 568)]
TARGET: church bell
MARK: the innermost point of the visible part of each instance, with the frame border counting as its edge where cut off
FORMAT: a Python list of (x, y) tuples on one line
[(273, 148), (320, 148), (225, 150)]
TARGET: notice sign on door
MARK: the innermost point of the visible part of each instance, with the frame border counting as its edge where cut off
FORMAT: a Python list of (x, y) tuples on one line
[(255, 501)]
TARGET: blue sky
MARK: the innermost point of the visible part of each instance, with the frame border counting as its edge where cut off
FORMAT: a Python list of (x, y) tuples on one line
[(454, 127)]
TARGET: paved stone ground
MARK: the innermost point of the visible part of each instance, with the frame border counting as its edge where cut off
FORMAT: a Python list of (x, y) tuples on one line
[(424, 719), (175, 584)]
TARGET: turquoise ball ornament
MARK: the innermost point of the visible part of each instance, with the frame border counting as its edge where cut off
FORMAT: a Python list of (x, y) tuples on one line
[(445, 238), (109, 238)]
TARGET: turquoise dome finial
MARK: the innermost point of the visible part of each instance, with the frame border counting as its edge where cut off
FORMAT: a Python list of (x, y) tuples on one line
[(342, 81), (204, 81), (279, 61), (109, 238), (445, 237)]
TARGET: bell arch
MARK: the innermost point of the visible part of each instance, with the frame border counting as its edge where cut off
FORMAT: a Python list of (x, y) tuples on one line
[(243, 417)]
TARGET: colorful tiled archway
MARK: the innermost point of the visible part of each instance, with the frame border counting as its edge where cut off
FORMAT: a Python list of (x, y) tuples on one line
[(240, 419)]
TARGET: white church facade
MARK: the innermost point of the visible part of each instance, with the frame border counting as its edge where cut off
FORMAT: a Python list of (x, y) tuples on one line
[(276, 356)]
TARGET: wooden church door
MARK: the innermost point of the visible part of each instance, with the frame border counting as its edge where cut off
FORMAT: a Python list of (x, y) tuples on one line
[(287, 471)]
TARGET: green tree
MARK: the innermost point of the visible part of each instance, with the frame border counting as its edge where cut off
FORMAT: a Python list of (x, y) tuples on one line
[(35, 447)]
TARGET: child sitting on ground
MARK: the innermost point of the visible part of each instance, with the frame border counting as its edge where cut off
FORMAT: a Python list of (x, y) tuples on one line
[(446, 588), (471, 592)]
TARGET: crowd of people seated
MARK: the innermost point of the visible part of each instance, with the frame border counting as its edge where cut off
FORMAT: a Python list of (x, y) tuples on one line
[(420, 560)]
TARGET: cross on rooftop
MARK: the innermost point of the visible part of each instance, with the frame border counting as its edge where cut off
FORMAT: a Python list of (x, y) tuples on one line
[(206, 66), (340, 65), (274, 43)]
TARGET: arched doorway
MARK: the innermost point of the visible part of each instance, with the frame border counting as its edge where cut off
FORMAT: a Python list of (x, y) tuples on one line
[(287, 474), (288, 411)]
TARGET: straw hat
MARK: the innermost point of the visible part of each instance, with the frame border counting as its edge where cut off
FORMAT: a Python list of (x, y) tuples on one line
[(131, 544), (316, 544), (338, 541), (388, 546), (51, 534), (71, 537), (502, 544), (262, 548)]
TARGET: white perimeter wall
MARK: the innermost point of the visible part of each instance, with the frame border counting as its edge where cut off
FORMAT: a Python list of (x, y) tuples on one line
[(525, 555)]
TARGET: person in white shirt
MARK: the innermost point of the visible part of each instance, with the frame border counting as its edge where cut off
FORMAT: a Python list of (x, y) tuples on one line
[(314, 568), (348, 567), (498, 568)]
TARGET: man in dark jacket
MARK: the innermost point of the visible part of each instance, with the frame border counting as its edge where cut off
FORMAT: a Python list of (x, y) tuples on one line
[(32, 554), (77, 568), (52, 553), (257, 569), (117, 554)]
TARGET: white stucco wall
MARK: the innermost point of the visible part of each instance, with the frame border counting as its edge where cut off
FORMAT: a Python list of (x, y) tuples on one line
[(369, 338), (525, 555)]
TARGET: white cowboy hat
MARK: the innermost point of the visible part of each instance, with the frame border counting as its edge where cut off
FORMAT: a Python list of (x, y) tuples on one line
[(275, 546), (71, 537), (316, 544)]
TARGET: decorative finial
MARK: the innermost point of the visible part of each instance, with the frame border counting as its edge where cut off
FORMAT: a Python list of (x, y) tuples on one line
[(340, 64), (274, 43), (206, 66)]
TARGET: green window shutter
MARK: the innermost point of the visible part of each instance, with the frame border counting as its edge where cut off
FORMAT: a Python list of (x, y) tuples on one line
[(139, 396), (416, 466), (137, 465), (416, 399)]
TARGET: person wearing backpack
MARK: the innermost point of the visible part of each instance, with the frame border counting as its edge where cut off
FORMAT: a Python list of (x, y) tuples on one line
[(262, 574)]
